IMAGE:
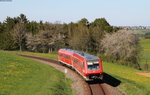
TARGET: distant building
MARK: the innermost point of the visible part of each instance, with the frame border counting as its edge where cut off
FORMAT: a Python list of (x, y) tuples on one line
[(135, 27)]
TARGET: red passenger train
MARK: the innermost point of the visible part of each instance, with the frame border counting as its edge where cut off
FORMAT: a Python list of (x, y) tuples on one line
[(88, 66)]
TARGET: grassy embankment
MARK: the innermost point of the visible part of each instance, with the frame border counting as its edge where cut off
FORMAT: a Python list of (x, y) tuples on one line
[(131, 83), (24, 76)]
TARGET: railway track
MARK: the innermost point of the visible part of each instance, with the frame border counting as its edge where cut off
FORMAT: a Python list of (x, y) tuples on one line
[(95, 87)]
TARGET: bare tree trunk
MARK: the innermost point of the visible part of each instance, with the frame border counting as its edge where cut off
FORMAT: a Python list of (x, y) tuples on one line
[(19, 33), (20, 47), (49, 50)]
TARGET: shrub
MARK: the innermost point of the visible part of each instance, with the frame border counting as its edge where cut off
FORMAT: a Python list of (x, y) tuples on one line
[(122, 45)]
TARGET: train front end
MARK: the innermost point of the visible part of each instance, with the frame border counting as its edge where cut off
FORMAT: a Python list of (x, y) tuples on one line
[(94, 69)]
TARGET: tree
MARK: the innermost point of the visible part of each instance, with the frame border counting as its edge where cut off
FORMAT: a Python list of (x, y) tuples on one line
[(84, 22), (19, 34), (1, 27), (44, 40), (122, 45), (102, 24), (6, 42), (97, 36), (22, 18), (80, 35), (9, 23), (32, 27)]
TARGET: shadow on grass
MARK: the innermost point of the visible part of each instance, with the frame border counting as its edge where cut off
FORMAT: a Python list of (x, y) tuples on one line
[(108, 79)]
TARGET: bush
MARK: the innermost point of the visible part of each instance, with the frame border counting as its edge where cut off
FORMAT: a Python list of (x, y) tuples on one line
[(122, 45)]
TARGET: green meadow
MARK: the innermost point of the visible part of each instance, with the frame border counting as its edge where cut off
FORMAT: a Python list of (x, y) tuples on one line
[(52, 55), (145, 46), (24, 76), (145, 53), (131, 83)]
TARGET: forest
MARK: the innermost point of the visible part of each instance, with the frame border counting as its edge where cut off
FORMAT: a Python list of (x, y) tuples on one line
[(97, 37)]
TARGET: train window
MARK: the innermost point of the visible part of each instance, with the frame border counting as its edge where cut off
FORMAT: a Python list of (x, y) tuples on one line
[(75, 60), (79, 63), (93, 67), (64, 56)]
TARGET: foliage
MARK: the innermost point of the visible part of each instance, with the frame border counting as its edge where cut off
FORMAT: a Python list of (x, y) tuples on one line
[(102, 24), (6, 42), (20, 33), (44, 40), (32, 27), (147, 35), (40, 37), (123, 46)]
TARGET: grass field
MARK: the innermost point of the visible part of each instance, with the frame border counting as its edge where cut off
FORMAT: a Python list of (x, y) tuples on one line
[(52, 55), (145, 53), (23, 76), (145, 44), (131, 83)]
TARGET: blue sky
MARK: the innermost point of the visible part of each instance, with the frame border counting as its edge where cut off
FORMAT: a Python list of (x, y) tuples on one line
[(116, 12)]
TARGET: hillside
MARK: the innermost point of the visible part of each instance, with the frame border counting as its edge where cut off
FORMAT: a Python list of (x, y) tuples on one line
[(23, 76)]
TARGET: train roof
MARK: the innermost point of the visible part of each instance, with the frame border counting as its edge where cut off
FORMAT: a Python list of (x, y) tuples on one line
[(83, 54)]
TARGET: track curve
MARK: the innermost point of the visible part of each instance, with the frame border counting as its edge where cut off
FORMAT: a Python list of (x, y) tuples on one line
[(95, 87)]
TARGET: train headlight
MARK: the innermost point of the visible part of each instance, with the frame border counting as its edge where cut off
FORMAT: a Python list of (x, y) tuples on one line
[(96, 62), (90, 63)]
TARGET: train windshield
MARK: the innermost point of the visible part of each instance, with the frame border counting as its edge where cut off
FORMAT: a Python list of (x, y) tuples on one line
[(93, 66)]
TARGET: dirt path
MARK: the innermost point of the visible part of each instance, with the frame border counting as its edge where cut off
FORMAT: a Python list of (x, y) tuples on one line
[(143, 74)]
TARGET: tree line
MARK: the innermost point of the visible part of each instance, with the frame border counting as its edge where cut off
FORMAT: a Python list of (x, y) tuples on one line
[(19, 33)]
